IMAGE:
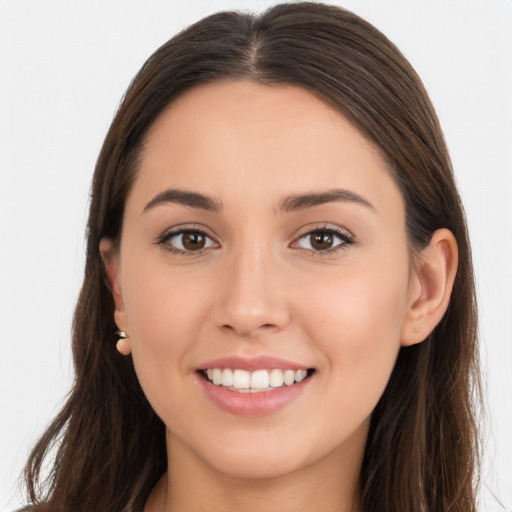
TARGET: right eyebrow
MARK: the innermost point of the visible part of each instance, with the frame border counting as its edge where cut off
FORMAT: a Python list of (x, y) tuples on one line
[(186, 198)]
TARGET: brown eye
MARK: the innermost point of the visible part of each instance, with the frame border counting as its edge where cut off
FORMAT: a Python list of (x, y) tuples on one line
[(186, 241), (321, 240), (324, 241), (193, 240)]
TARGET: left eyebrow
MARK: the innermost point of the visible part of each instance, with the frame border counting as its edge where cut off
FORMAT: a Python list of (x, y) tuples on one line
[(304, 201)]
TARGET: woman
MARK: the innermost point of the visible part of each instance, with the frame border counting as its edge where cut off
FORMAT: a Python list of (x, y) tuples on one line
[(276, 235)]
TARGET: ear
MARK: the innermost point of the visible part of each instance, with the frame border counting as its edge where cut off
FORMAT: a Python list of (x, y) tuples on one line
[(111, 261), (430, 287)]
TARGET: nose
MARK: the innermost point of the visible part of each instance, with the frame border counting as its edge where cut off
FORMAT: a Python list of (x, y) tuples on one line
[(252, 297)]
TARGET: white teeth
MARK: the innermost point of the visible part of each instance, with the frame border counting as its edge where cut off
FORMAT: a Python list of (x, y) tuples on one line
[(227, 377), (300, 375), (259, 379), (241, 379), (276, 378), (217, 376), (289, 377), (252, 382)]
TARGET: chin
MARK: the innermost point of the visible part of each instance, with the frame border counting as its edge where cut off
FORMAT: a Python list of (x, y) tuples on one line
[(258, 467), (246, 453)]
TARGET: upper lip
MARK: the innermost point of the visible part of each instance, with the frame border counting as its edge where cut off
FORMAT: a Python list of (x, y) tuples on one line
[(253, 363)]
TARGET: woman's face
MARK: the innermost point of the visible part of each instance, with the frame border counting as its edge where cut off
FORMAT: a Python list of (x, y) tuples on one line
[(263, 234)]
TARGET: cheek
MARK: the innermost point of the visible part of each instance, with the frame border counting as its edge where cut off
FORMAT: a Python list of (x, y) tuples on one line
[(165, 313), (164, 308), (356, 321)]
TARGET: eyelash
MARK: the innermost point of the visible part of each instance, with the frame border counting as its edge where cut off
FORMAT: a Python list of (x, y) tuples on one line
[(163, 241), (345, 237)]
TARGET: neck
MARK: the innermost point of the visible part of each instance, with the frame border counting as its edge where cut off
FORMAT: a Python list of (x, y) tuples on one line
[(330, 484)]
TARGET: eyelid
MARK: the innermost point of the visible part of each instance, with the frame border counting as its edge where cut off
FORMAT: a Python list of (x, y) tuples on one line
[(343, 234), (168, 234)]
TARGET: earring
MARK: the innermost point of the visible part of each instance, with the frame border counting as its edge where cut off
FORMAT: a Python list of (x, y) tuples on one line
[(123, 345)]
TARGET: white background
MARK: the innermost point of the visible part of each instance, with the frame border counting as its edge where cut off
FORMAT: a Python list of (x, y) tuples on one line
[(63, 69)]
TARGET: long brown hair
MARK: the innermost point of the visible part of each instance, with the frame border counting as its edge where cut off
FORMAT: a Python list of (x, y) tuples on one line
[(422, 449)]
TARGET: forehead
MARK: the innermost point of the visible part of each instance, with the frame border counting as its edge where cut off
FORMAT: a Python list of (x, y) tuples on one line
[(230, 138)]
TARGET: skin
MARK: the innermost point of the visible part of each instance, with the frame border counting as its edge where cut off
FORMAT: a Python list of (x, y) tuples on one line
[(259, 288)]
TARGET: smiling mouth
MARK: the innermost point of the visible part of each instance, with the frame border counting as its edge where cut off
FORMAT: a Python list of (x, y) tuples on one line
[(258, 381)]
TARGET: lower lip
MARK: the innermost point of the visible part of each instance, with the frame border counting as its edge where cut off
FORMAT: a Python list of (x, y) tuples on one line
[(253, 404)]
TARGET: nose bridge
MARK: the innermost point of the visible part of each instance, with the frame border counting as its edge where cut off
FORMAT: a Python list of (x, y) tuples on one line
[(251, 299)]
